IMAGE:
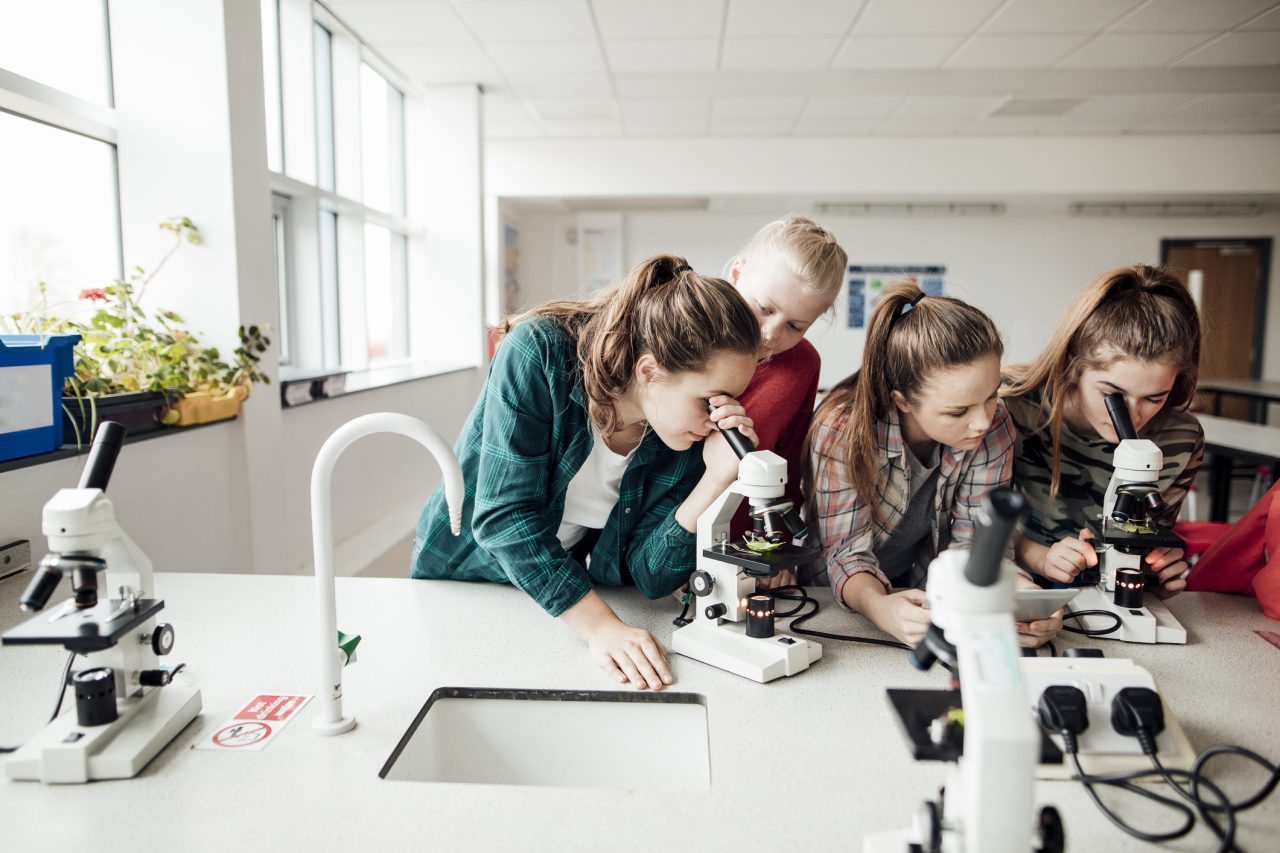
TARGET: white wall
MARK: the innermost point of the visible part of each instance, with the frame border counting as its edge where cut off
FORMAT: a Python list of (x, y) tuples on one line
[(1023, 269)]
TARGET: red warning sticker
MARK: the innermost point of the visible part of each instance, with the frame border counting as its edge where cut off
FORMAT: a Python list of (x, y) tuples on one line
[(256, 723)]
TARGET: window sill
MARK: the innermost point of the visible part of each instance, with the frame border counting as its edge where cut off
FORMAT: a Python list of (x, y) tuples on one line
[(68, 451), (378, 377)]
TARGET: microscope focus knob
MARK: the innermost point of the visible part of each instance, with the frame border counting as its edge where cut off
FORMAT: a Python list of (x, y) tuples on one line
[(701, 583), (162, 639)]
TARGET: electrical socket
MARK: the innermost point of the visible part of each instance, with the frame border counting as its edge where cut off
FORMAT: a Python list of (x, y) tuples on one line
[(15, 557)]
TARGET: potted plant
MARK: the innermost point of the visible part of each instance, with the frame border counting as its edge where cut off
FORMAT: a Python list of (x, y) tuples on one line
[(145, 368)]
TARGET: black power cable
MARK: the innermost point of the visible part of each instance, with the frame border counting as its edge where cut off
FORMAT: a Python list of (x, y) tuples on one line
[(1092, 632)]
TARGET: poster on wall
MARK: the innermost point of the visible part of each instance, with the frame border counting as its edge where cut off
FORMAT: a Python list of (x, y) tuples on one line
[(866, 283), (599, 250), (510, 269)]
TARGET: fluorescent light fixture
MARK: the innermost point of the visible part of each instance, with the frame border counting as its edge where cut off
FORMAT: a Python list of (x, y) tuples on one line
[(1167, 209), (876, 208)]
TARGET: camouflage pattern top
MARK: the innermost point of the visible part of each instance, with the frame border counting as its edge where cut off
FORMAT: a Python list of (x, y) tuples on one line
[(1086, 469)]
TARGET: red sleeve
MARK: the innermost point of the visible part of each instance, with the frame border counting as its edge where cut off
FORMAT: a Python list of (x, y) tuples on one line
[(780, 402)]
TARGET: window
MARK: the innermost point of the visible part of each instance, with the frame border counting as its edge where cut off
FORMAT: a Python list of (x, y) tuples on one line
[(280, 243), (59, 223), (326, 164), (382, 143), (271, 90)]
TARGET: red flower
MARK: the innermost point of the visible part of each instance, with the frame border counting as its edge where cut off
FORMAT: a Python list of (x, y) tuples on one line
[(94, 293)]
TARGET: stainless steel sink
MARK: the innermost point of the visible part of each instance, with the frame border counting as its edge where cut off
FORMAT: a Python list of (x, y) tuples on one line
[(557, 738)]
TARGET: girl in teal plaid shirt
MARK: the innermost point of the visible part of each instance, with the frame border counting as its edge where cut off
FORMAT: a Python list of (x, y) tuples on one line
[(904, 451), (581, 459)]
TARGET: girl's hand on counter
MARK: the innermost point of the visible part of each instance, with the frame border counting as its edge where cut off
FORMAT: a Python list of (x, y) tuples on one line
[(630, 655), (903, 614)]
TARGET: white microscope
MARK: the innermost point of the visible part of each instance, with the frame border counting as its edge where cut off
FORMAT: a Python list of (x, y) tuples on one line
[(1129, 532), (988, 804), (733, 625), (126, 708)]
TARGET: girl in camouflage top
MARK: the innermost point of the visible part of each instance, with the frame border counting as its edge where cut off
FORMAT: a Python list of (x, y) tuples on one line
[(1134, 330)]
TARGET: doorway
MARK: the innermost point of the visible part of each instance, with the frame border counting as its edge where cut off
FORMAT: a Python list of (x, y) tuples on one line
[(1229, 279)]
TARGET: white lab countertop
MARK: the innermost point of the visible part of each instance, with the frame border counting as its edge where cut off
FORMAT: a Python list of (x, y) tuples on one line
[(839, 766)]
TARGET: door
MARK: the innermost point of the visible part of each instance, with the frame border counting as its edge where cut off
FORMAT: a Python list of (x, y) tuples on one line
[(1228, 279)]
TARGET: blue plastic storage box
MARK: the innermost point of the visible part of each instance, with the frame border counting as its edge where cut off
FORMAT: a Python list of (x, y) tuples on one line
[(33, 369)]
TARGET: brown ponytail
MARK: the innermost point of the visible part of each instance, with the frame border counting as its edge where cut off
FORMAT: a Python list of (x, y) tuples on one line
[(1139, 312), (909, 338), (662, 308)]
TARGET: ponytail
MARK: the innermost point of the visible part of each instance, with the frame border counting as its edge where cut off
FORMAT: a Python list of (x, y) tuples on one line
[(662, 308)]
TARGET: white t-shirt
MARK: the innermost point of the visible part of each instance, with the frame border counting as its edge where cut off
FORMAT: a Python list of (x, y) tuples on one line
[(593, 491)]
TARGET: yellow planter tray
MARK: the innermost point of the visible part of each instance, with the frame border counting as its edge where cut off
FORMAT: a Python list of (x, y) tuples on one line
[(202, 407)]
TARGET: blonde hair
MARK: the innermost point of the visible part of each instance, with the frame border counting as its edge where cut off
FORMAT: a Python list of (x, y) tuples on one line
[(662, 308), (1139, 312), (811, 250), (902, 351)]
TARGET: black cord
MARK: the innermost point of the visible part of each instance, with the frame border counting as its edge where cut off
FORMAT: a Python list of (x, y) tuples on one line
[(57, 708), (62, 691), (800, 618), (1125, 782), (1094, 632)]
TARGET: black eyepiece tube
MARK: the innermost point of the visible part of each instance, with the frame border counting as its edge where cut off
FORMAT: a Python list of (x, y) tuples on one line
[(1119, 413), (739, 442), (102, 455), (1004, 507)]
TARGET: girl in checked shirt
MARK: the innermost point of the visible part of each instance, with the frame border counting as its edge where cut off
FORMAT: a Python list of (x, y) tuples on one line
[(902, 453)]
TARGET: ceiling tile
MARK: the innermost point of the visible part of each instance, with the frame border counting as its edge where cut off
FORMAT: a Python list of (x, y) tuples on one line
[(918, 126), (1021, 51), (520, 20), (665, 116), (1265, 123), (383, 22), (659, 19), (805, 18), (1057, 16), (763, 107), (582, 129), (777, 54), (574, 109), (443, 63), (1269, 21), (1240, 48), (948, 106), (876, 52), (920, 17), (833, 125), (1133, 50), (658, 56), (1191, 16), (760, 126), (506, 118), (1012, 125), (560, 85), (547, 56)]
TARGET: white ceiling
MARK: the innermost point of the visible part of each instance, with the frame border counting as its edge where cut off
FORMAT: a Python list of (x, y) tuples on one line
[(650, 68)]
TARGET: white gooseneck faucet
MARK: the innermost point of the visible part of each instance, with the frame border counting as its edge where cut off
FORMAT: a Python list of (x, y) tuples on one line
[(330, 720)]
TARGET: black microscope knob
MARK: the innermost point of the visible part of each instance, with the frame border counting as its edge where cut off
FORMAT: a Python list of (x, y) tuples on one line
[(715, 611), (701, 583), (162, 639)]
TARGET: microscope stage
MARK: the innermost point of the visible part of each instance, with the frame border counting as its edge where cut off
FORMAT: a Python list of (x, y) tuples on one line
[(82, 631), (762, 563)]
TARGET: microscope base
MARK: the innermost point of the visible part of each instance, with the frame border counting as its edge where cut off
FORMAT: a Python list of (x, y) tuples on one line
[(1153, 623), (728, 647), (117, 750)]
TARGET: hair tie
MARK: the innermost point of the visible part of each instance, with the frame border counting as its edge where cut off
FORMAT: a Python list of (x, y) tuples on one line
[(675, 273), (906, 309), (682, 268)]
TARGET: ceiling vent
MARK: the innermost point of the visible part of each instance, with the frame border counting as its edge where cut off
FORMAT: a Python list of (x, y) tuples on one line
[(1037, 107)]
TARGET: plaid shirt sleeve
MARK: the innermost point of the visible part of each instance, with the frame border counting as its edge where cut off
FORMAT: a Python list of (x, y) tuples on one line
[(989, 467), (661, 554), (510, 520), (846, 524)]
